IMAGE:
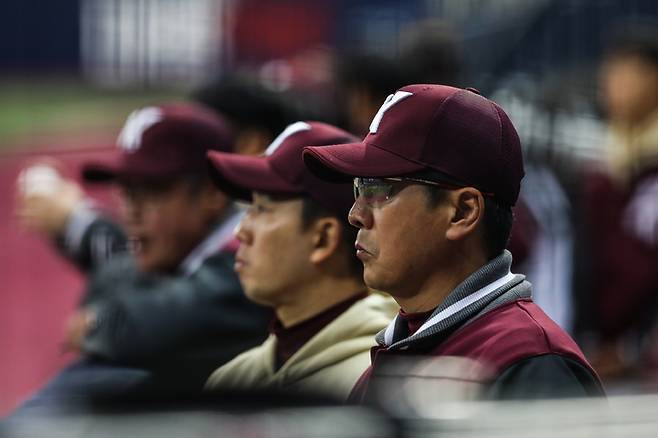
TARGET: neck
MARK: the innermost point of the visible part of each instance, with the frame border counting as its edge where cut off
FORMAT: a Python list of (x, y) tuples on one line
[(635, 124), (434, 289), (324, 293)]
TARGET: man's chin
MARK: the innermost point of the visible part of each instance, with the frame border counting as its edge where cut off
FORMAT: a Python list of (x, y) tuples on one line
[(376, 281), (255, 295), (371, 279), (374, 285)]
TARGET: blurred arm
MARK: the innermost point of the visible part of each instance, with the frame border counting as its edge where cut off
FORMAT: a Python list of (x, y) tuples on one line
[(56, 207), (90, 239), (547, 376)]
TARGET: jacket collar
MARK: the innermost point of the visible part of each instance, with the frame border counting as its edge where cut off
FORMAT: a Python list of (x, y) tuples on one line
[(490, 286), (219, 238)]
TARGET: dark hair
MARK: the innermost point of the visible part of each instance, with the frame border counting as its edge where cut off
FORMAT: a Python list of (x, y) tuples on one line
[(377, 74), (247, 104), (498, 220), (431, 55), (195, 182), (312, 211), (635, 39)]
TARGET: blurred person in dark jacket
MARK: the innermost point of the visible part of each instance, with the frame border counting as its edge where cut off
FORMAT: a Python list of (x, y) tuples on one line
[(296, 257), (172, 305), (431, 54), (255, 114), (621, 196), (435, 180), (363, 81)]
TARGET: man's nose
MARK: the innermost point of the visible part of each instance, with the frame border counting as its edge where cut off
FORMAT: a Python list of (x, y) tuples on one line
[(360, 215), (133, 210), (241, 230)]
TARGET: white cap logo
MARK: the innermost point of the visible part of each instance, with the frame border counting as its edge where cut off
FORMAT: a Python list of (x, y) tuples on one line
[(391, 100), (290, 130), (130, 138)]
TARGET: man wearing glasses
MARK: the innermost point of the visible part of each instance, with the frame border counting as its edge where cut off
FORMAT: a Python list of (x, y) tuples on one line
[(434, 183), (296, 257)]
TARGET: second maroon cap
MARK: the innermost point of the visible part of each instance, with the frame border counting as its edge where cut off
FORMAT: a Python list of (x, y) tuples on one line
[(455, 132), (280, 170)]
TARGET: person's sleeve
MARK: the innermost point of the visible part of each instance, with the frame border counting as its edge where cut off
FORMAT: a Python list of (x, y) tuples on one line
[(90, 239), (145, 318), (546, 376)]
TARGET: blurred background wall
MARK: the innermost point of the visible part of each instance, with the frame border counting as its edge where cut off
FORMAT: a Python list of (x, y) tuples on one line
[(71, 70)]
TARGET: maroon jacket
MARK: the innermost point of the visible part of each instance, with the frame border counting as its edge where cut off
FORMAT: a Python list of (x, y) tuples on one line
[(622, 226), (522, 352)]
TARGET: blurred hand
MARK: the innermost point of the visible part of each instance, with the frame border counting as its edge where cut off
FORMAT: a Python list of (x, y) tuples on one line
[(77, 328), (45, 199)]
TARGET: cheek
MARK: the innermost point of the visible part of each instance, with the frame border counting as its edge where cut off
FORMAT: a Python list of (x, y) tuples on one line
[(407, 245), (159, 226), (401, 256), (274, 250), (166, 234), (154, 220), (275, 263), (402, 235)]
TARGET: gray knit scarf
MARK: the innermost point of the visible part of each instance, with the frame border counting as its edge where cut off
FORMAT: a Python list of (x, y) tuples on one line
[(487, 288)]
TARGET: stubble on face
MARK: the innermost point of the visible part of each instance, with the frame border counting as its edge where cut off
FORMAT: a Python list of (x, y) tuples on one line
[(167, 227), (405, 245)]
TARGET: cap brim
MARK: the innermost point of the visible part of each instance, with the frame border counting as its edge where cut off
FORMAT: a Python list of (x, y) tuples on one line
[(114, 170), (101, 172), (343, 162), (239, 175)]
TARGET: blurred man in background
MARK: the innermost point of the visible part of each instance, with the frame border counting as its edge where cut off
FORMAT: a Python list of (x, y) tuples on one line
[(296, 257), (171, 309), (434, 183), (622, 204), (429, 54), (255, 114), (363, 81)]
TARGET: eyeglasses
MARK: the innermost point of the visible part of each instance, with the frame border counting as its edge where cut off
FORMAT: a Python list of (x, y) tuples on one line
[(376, 191)]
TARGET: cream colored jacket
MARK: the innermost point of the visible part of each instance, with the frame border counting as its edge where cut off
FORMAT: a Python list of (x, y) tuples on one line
[(330, 363)]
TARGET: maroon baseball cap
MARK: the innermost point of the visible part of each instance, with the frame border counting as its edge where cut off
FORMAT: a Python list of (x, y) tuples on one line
[(451, 131), (160, 142), (281, 171)]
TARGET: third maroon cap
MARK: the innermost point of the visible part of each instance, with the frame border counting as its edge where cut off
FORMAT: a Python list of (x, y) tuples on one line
[(163, 142), (455, 132), (281, 170)]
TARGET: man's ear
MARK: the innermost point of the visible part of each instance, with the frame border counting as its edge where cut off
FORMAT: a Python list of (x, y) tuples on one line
[(326, 237), (468, 212)]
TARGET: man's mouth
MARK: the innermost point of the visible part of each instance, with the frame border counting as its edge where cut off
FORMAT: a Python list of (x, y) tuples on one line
[(239, 264), (136, 244), (361, 252)]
